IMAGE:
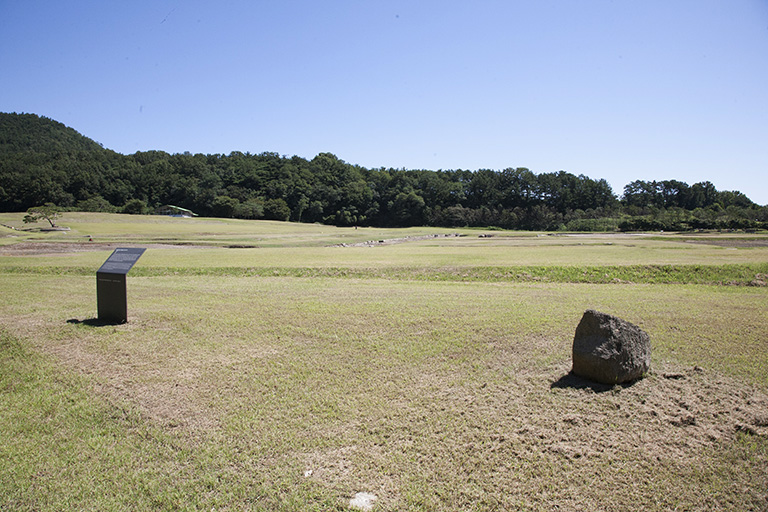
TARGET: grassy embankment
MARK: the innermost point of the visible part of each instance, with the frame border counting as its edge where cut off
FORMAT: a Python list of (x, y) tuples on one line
[(429, 373)]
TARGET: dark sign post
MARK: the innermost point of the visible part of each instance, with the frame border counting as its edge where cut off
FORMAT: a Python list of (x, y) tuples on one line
[(110, 285)]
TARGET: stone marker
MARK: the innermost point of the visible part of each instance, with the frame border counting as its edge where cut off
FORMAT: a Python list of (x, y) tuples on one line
[(610, 350), (363, 501)]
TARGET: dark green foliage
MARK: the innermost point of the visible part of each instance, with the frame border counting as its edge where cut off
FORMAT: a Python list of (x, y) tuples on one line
[(276, 209), (20, 133), (135, 207), (672, 193), (95, 204), (48, 212), (42, 161)]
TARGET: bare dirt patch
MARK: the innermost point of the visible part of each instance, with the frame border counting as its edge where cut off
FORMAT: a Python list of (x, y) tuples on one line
[(737, 243), (53, 248), (391, 241), (679, 411)]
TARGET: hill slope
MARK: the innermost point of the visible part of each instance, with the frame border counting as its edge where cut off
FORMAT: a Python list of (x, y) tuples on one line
[(44, 161), (30, 132)]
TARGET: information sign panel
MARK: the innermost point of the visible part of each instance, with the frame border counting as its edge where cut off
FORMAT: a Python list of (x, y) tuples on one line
[(121, 260), (111, 291)]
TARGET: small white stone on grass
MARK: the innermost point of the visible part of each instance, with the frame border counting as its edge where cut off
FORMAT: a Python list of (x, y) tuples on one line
[(363, 501)]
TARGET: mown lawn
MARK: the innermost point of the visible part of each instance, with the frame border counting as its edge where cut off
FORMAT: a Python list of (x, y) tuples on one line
[(433, 390)]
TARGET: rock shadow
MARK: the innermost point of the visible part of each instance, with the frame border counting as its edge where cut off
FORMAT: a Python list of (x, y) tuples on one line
[(93, 322), (572, 381)]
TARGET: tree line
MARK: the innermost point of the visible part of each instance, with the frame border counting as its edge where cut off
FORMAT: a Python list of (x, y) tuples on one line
[(43, 161)]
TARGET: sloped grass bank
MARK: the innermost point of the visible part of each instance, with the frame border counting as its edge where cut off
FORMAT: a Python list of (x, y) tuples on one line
[(738, 275), (67, 447)]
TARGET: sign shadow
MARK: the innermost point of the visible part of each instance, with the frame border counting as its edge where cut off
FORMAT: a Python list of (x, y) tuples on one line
[(94, 322)]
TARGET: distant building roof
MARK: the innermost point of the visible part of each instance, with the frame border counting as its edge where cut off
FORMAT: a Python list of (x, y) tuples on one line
[(174, 211)]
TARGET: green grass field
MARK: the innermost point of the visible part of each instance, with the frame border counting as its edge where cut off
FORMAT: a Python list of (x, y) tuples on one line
[(291, 372)]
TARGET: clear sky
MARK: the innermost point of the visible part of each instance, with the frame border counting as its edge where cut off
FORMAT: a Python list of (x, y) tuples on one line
[(614, 89)]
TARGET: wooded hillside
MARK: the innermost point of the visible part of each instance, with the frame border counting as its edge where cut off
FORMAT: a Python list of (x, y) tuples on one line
[(43, 161)]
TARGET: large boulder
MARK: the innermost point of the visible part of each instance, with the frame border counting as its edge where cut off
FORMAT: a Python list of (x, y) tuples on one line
[(610, 350)]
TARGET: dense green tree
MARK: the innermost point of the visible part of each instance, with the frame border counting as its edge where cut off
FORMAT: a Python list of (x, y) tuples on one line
[(408, 209), (49, 212), (42, 161), (224, 206), (250, 209), (135, 207), (95, 204), (276, 209)]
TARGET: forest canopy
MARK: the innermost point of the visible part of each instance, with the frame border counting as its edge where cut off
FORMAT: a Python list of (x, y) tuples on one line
[(43, 161)]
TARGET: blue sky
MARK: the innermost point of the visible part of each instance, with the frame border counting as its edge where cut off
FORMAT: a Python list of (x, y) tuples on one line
[(614, 89)]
